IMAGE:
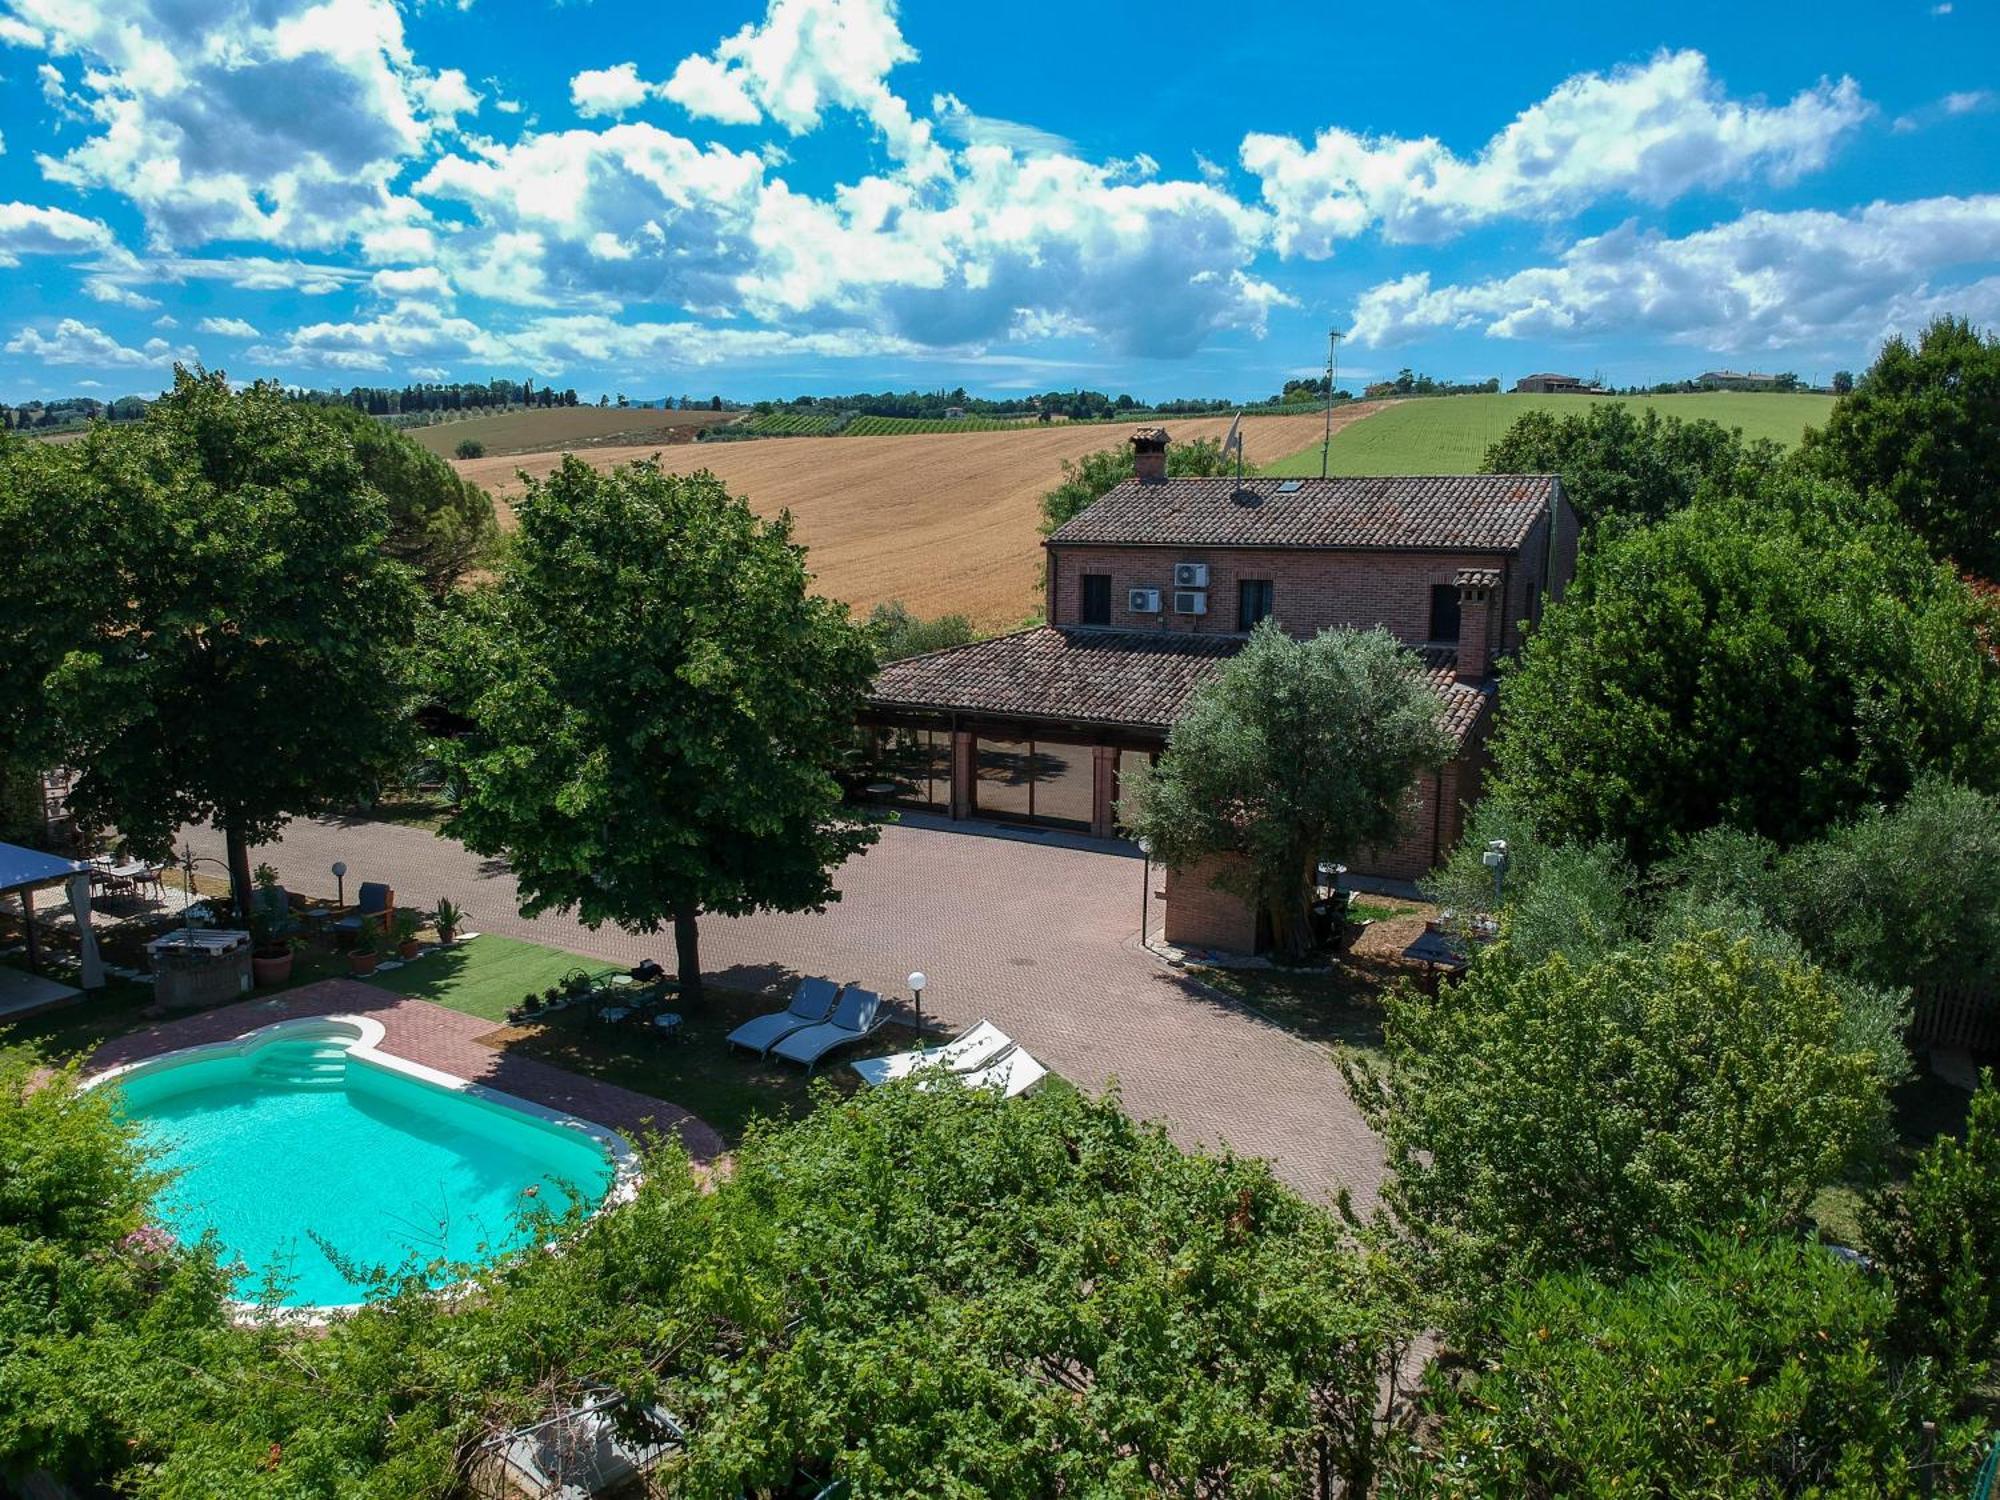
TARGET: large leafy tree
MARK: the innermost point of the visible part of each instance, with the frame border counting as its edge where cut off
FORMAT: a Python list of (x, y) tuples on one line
[(1095, 474), (442, 525), (1773, 664), (1554, 1116), (231, 643), (1616, 460), (1724, 1367), (1922, 430), (659, 705), (1295, 752)]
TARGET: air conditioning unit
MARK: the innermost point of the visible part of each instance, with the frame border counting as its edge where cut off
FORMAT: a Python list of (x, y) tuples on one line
[(1190, 602), (1191, 576), (1142, 601)]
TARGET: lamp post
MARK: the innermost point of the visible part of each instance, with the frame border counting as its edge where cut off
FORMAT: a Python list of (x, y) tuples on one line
[(339, 883), (1495, 859), (917, 983), (1145, 886)]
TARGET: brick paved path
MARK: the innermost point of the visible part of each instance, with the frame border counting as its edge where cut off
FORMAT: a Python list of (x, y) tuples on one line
[(435, 1036), (1040, 938)]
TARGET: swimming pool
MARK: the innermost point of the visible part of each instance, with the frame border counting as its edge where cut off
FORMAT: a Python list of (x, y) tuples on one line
[(312, 1153)]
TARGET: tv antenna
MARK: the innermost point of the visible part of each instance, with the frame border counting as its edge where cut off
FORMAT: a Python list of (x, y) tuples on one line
[(1332, 374)]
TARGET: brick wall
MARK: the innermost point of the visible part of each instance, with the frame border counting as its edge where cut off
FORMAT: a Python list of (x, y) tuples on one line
[(1311, 590), (1202, 915)]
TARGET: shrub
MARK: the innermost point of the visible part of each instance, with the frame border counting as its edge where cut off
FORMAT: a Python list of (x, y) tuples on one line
[(1545, 1117), (898, 634), (1938, 1238), (1723, 1367), (470, 448)]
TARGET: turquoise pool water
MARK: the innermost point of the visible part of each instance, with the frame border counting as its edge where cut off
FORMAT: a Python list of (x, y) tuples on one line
[(299, 1156)]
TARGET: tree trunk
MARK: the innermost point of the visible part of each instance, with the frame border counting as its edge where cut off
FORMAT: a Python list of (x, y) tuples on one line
[(239, 870), (1291, 920), (687, 953)]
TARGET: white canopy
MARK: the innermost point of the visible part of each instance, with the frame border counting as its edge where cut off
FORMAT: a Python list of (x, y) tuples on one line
[(24, 869)]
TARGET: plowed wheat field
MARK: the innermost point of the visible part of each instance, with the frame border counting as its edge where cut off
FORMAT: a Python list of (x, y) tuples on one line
[(946, 522)]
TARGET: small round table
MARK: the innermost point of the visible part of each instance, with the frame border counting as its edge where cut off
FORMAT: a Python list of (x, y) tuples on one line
[(667, 1025)]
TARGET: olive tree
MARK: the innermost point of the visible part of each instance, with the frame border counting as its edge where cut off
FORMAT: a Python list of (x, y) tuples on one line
[(1294, 752), (658, 705)]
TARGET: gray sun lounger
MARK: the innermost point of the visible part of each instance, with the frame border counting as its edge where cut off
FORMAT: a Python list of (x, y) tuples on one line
[(812, 1001), (859, 1012)]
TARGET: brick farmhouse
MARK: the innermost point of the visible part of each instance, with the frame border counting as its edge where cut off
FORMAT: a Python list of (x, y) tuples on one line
[(1158, 583)]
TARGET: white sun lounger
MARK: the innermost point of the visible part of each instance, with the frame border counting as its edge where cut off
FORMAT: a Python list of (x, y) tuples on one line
[(858, 1013), (811, 1003), (1013, 1072), (971, 1049)]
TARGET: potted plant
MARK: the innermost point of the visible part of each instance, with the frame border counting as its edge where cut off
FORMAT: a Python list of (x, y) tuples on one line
[(367, 949), (450, 917), (534, 1005), (271, 949), (403, 930)]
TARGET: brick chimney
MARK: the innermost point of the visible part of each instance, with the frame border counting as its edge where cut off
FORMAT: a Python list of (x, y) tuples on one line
[(1149, 453), (1478, 593)]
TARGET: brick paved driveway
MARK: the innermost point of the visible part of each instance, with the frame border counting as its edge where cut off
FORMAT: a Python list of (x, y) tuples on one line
[(1040, 936)]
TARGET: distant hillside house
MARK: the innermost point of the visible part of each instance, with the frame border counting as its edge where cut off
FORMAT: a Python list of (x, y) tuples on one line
[(1151, 589), (1735, 380), (1553, 385)]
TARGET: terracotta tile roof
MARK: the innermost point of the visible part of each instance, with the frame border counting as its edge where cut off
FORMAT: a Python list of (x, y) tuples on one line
[(1479, 512), (1477, 578), (1136, 679)]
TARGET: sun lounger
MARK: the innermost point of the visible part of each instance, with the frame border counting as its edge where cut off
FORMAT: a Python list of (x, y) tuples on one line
[(859, 1012), (971, 1049), (812, 1002), (1013, 1072)]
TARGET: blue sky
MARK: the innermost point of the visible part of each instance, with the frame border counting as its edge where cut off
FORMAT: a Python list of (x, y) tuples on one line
[(824, 195)]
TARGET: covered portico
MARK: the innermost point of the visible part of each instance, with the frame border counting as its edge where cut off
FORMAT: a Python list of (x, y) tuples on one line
[(23, 873)]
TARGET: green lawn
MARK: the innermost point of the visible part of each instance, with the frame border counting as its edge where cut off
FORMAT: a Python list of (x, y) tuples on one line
[(487, 975), (1450, 434)]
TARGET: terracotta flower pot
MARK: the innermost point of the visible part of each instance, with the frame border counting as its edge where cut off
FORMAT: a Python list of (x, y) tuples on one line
[(363, 963), (275, 969), (447, 936), (410, 949)]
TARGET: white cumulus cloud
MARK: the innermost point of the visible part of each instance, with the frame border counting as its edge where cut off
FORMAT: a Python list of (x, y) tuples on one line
[(804, 58), (1762, 281), (234, 328), (609, 91), (285, 122), (1653, 133), (30, 229), (74, 342)]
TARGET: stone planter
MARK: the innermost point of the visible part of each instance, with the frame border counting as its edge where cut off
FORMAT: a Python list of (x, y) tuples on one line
[(197, 970), (270, 969)]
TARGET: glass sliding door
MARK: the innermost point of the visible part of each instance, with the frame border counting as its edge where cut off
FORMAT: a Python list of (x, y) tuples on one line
[(1034, 781)]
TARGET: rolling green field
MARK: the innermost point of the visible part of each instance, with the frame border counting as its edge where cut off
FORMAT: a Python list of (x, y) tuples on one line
[(1450, 434)]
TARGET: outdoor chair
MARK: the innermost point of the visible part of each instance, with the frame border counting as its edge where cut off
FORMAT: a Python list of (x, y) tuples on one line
[(376, 902), (1013, 1072), (859, 1013), (812, 1002), (973, 1048)]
